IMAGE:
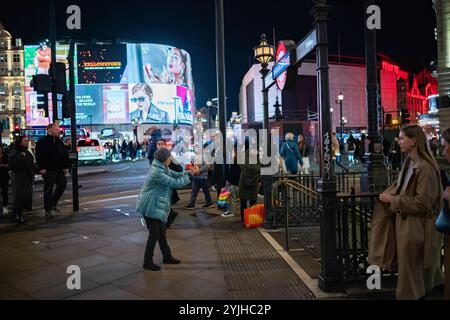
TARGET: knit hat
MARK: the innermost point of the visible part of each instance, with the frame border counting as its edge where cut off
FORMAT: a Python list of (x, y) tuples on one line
[(162, 154)]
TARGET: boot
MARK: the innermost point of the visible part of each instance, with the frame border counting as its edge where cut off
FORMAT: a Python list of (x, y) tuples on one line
[(151, 266), (171, 260)]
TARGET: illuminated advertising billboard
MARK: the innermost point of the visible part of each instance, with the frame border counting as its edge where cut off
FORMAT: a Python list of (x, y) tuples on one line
[(121, 84)]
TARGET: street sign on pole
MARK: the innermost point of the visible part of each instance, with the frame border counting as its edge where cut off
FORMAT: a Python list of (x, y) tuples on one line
[(307, 45)]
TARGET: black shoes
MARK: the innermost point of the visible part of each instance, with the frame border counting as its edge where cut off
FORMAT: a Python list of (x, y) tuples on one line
[(151, 267), (18, 219), (171, 260), (208, 205)]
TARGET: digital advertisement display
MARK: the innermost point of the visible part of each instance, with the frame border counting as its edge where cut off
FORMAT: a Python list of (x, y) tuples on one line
[(101, 64), (121, 84)]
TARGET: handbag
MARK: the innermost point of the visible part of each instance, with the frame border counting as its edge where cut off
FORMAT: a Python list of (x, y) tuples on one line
[(443, 220)]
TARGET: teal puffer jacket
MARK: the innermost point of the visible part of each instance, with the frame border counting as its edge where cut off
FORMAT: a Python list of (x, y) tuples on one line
[(154, 200)]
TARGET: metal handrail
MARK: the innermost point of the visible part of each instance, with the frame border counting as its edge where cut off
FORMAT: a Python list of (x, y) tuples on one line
[(294, 185)]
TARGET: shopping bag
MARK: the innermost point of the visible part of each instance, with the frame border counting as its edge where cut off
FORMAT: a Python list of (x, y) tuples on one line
[(224, 197), (254, 216)]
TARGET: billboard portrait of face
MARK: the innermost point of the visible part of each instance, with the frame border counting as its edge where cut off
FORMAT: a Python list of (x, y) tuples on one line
[(99, 64), (115, 104), (184, 109), (37, 60), (152, 104), (155, 63)]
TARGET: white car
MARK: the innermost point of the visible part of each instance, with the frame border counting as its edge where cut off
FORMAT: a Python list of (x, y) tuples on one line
[(90, 150)]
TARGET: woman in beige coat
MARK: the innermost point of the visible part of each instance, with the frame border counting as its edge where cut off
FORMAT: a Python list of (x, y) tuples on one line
[(410, 241)]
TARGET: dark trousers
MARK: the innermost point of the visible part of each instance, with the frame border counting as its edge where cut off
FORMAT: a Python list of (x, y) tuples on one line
[(198, 184), (244, 205), (157, 233), (52, 178), (4, 187)]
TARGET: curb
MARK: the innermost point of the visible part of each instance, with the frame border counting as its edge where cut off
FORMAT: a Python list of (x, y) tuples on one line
[(311, 284), (86, 174)]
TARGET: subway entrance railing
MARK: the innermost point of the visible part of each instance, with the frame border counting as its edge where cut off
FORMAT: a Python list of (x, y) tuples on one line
[(292, 201)]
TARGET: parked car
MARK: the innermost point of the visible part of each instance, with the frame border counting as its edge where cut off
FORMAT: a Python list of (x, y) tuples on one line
[(90, 150)]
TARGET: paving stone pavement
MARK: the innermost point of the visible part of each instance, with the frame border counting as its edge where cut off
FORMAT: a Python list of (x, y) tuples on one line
[(221, 259)]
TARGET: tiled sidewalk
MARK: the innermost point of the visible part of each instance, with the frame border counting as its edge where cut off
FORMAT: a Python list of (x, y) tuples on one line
[(221, 260)]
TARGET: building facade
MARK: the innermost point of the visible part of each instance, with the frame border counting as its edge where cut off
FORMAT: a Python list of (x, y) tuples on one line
[(12, 82), (442, 8), (401, 93)]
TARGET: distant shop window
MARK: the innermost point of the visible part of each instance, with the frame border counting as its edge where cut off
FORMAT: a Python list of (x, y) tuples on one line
[(17, 89), (3, 88), (3, 58)]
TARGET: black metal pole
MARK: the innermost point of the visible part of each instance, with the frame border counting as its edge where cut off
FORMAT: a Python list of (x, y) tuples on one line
[(73, 128), (342, 126), (374, 163), (326, 186), (52, 20), (264, 72), (221, 89)]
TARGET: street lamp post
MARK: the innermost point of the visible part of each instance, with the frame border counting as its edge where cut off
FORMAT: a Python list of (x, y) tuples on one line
[(341, 100), (264, 54)]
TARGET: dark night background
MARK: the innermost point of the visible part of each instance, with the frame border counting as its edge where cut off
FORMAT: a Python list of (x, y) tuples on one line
[(407, 34)]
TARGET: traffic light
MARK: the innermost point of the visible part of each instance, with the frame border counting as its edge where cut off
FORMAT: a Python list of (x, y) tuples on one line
[(405, 116), (42, 102), (41, 83), (60, 77), (17, 131)]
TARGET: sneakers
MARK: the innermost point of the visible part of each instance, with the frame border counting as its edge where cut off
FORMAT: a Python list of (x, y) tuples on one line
[(171, 260), (227, 214), (151, 267), (190, 207), (208, 205), (5, 211)]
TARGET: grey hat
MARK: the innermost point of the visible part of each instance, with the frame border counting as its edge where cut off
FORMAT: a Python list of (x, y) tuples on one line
[(162, 154)]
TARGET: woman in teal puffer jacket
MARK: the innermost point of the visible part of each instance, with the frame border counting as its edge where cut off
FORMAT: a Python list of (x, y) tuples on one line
[(154, 204)]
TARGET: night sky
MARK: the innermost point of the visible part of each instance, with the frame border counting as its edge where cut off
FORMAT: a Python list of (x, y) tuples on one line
[(407, 34)]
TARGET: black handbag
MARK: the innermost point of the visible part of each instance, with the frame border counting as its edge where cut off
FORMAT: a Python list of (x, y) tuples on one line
[(443, 220)]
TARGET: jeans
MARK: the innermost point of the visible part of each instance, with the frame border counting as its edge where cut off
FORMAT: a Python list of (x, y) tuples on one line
[(197, 184), (50, 179), (157, 233), (244, 205)]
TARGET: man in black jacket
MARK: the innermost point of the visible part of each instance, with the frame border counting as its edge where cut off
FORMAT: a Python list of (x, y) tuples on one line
[(52, 161)]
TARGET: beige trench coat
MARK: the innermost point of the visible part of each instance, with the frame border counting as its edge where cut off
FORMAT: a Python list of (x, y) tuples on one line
[(403, 234)]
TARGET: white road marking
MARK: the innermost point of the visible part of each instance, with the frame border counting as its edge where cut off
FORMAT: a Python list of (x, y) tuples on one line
[(123, 169), (110, 199)]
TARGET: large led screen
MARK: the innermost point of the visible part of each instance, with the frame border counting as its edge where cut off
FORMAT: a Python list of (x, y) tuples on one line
[(123, 83)]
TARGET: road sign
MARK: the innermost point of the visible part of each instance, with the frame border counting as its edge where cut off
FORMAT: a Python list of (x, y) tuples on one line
[(306, 45)]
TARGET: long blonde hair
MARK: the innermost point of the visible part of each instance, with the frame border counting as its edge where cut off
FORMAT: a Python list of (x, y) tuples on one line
[(423, 148)]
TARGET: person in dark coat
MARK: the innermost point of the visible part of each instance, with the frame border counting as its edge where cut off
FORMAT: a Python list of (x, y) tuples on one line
[(291, 154), (53, 162), (123, 150), (4, 179), (155, 136), (249, 181), (21, 162)]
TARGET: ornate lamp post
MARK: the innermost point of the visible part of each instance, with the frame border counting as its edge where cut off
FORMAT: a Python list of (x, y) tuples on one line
[(340, 100), (264, 54)]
